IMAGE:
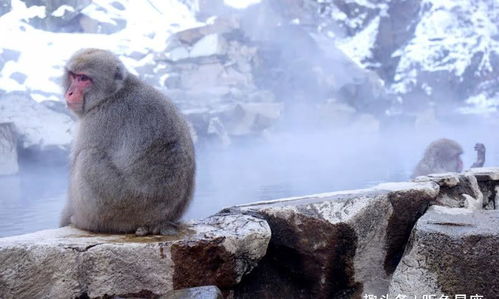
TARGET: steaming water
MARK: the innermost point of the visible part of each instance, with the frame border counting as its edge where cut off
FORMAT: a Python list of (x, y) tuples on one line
[(287, 166)]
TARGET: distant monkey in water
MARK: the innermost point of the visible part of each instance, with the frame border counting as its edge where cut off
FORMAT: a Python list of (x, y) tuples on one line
[(132, 161), (480, 155), (442, 155)]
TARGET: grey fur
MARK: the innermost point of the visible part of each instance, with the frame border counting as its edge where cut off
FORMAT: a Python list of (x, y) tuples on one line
[(442, 155), (132, 161)]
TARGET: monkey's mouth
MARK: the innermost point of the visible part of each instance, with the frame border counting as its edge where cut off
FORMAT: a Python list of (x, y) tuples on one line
[(76, 107)]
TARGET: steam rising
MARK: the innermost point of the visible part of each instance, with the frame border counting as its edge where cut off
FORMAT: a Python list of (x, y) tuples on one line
[(326, 140)]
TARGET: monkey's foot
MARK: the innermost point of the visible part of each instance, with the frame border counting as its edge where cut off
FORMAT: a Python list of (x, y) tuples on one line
[(166, 228)]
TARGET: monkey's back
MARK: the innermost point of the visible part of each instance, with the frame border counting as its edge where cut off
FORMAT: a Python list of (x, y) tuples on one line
[(146, 156)]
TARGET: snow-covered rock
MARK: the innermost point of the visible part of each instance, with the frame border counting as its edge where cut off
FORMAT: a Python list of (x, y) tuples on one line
[(428, 51), (69, 263), (38, 127)]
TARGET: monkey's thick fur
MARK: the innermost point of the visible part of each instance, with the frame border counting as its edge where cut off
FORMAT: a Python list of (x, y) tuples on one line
[(442, 155), (132, 161)]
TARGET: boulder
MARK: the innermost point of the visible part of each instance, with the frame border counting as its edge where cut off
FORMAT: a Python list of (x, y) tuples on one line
[(8, 149), (335, 245), (488, 181), (234, 120), (69, 263), (457, 190), (452, 251)]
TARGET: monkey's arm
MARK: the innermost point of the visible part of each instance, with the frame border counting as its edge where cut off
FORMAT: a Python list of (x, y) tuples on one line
[(101, 174), (480, 155)]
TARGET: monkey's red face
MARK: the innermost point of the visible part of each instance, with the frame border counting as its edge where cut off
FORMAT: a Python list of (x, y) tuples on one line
[(75, 95)]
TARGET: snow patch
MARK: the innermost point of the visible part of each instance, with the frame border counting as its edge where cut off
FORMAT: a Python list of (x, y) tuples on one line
[(61, 10), (449, 33), (241, 4), (43, 54), (359, 47)]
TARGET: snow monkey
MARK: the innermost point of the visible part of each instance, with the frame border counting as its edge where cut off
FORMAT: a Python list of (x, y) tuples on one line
[(132, 161), (480, 155), (442, 155)]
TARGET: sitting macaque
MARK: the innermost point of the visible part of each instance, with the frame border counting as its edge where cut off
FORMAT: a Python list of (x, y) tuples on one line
[(442, 155), (480, 155), (132, 161)]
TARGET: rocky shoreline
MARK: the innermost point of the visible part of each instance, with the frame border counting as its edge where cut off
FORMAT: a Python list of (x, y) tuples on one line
[(394, 238)]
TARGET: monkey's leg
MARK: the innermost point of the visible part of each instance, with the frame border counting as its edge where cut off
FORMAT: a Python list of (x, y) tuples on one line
[(67, 212)]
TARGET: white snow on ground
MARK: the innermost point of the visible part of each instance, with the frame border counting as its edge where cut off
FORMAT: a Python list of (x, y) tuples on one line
[(241, 3), (449, 33), (59, 12), (43, 54)]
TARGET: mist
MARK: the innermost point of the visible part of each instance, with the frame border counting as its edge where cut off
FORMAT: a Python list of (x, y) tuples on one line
[(343, 124)]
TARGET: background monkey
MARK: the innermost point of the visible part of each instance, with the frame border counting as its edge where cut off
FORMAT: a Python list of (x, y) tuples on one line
[(480, 155), (442, 155), (132, 161)]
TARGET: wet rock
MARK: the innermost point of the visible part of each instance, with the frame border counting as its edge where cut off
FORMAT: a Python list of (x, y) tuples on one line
[(457, 190), (207, 292), (335, 245), (8, 149), (69, 263), (451, 251)]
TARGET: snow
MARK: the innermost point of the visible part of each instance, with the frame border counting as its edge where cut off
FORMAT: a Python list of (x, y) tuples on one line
[(359, 47), (480, 104), (59, 12), (43, 53), (38, 124), (446, 38), (241, 4)]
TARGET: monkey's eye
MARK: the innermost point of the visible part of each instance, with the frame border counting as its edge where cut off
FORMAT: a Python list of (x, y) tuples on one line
[(84, 77)]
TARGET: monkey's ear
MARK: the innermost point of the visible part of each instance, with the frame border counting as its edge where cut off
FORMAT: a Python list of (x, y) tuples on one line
[(120, 73)]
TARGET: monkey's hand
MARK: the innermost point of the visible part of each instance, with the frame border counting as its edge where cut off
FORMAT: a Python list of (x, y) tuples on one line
[(480, 155)]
